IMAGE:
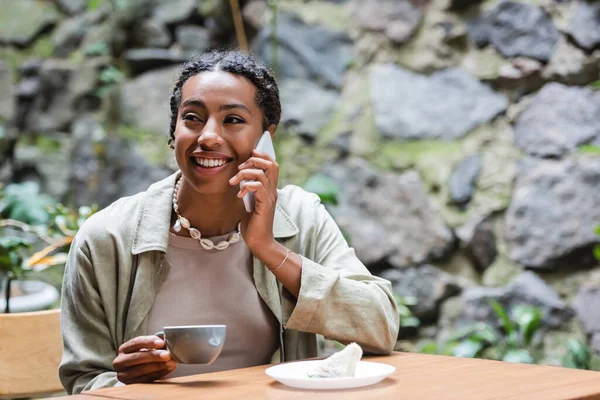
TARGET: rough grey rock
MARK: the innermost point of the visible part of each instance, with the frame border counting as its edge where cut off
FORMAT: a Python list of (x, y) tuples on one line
[(175, 11), (151, 33), (192, 38), (8, 90), (29, 88), (306, 106), (71, 6), (586, 305), (521, 73), (63, 85), (527, 288), (142, 60), (571, 66), (49, 165), (559, 119), (145, 100), (464, 178), (428, 284), (31, 67), (516, 29), (69, 35), (101, 178), (445, 105), (21, 21), (478, 241), (397, 19), (555, 208), (387, 216), (305, 51), (585, 25)]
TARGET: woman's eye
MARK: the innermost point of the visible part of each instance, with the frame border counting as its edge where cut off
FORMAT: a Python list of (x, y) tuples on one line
[(191, 117), (234, 120)]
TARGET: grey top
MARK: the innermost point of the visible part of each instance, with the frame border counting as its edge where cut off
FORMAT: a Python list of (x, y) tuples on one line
[(212, 287)]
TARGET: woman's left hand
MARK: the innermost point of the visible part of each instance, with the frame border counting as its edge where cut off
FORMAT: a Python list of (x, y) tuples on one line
[(261, 173)]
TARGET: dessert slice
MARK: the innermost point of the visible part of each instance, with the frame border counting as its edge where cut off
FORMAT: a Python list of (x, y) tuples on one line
[(339, 365)]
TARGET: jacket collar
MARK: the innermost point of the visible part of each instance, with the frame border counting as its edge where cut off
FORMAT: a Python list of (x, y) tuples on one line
[(153, 222)]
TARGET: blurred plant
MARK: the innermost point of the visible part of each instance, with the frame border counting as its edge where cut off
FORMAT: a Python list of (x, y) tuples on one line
[(109, 76), (578, 356), (512, 342), (595, 85), (590, 149), (22, 207), (328, 191), (25, 203), (324, 187), (11, 261), (408, 321), (97, 49), (94, 4)]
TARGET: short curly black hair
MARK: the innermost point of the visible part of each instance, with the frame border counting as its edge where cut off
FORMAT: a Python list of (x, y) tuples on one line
[(236, 62)]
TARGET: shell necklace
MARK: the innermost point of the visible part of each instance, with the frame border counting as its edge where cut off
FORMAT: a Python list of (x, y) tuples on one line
[(195, 233)]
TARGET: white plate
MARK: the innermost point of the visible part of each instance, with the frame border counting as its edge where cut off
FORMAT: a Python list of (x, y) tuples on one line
[(294, 374)]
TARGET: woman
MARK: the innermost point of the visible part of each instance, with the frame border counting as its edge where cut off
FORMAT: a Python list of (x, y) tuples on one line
[(280, 275)]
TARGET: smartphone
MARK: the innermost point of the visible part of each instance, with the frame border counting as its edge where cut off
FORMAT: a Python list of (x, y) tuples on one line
[(264, 145)]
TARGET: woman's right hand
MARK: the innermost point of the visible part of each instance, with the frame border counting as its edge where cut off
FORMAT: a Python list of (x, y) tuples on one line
[(143, 359)]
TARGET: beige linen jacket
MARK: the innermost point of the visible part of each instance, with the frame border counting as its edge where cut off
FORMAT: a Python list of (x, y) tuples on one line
[(117, 263)]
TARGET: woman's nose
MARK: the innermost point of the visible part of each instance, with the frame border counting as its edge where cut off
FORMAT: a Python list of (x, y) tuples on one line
[(210, 135)]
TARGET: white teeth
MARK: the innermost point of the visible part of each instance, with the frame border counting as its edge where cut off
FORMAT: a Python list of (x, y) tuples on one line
[(209, 162)]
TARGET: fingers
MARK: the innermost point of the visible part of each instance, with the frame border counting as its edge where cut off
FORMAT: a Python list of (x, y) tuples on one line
[(142, 342), (250, 175), (256, 187), (265, 162), (146, 372), (259, 163), (127, 360)]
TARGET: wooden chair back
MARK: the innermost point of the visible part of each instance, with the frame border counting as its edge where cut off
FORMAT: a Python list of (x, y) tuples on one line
[(30, 352)]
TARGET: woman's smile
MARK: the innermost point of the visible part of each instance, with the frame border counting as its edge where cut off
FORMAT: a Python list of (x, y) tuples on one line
[(209, 163)]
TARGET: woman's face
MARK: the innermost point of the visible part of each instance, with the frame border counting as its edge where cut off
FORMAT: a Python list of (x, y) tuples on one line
[(218, 125)]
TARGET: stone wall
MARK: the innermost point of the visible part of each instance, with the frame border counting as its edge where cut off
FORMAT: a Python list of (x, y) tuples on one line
[(456, 129)]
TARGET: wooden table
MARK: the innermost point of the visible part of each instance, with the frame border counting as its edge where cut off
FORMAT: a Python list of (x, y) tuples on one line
[(417, 376)]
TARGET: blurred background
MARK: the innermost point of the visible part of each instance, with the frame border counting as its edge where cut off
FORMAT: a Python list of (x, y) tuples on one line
[(455, 142)]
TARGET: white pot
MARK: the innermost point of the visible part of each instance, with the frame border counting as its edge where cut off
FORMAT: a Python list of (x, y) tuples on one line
[(36, 296)]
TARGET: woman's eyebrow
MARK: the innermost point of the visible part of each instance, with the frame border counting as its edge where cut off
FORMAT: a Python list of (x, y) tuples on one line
[(199, 103), (235, 105), (193, 102)]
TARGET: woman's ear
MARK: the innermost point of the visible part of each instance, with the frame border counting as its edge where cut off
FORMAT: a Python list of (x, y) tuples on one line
[(272, 129)]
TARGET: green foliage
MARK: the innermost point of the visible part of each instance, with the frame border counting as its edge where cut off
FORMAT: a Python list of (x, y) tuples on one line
[(324, 187), (94, 4), (595, 85), (11, 256), (67, 221), (511, 342), (23, 202), (23, 207), (589, 149), (579, 355), (109, 77), (407, 318), (97, 49)]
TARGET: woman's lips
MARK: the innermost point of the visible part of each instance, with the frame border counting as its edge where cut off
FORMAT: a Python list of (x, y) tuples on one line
[(208, 171)]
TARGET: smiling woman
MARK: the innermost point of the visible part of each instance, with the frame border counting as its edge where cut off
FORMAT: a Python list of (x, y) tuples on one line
[(186, 251)]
